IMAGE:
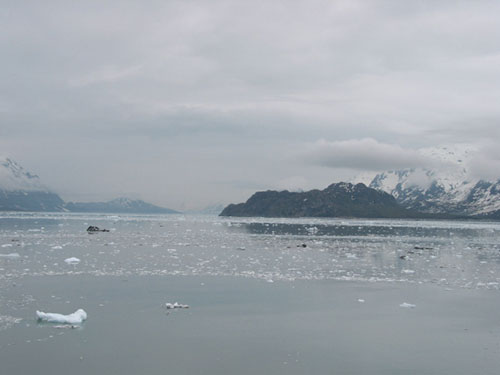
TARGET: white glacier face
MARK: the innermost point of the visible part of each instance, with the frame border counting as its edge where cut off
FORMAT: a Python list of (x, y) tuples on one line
[(13, 177), (444, 186)]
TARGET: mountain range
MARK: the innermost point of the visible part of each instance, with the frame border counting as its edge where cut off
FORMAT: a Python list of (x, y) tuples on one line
[(21, 190), (447, 186)]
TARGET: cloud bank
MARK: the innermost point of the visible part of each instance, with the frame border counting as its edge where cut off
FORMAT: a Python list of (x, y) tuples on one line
[(364, 154), (165, 100)]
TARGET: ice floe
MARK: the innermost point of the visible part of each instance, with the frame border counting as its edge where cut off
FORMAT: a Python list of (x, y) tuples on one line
[(408, 305), (72, 260), (75, 318), (11, 255), (176, 305)]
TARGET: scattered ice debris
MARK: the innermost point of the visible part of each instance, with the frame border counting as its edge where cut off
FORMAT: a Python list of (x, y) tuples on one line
[(8, 321), (176, 305), (360, 300), (7, 245), (92, 229), (407, 271), (57, 247), (11, 255), (408, 305), (312, 230), (76, 318), (72, 260), (65, 326)]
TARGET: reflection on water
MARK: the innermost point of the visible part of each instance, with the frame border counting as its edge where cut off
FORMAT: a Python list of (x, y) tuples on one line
[(387, 229)]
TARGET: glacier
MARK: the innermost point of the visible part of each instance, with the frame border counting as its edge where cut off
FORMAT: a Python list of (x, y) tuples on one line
[(445, 186)]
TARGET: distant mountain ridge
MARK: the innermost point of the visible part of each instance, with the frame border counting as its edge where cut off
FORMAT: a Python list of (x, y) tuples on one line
[(21, 190), (119, 205), (337, 200), (449, 190)]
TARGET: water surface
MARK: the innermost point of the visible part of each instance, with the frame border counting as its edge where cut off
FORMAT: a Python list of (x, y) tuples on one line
[(294, 296)]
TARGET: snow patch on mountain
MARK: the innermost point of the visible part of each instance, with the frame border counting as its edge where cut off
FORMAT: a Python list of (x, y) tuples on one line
[(446, 186), (13, 177)]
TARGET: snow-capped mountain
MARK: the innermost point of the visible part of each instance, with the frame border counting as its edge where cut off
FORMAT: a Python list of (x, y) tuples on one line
[(21, 190), (14, 177), (445, 185)]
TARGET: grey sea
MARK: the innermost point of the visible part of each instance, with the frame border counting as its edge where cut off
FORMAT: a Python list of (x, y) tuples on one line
[(265, 296)]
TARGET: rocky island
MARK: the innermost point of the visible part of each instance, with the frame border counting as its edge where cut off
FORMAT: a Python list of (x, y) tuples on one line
[(337, 200)]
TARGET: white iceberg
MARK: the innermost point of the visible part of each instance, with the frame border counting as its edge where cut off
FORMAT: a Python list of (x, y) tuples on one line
[(176, 305), (72, 260), (408, 305), (76, 318)]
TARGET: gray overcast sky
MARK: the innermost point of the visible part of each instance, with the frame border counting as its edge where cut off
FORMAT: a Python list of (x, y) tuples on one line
[(189, 103)]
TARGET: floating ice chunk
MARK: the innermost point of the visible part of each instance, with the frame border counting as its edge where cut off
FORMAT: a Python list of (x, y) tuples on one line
[(176, 305), (407, 271), (360, 300), (7, 245), (72, 260), (11, 255), (408, 305), (312, 230), (57, 247), (76, 318)]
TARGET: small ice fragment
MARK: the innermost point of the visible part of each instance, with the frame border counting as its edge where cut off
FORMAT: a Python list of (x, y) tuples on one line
[(360, 300), (270, 280), (76, 318), (176, 305), (7, 245), (407, 271), (11, 255), (408, 305), (72, 260), (57, 247)]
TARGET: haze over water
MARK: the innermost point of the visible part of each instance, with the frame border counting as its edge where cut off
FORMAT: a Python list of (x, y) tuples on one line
[(265, 295)]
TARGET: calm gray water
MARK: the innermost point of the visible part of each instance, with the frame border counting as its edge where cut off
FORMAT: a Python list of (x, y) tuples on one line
[(260, 302)]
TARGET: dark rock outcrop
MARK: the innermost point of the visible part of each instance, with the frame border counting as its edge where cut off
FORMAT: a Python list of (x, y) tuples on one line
[(337, 200), (93, 229)]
